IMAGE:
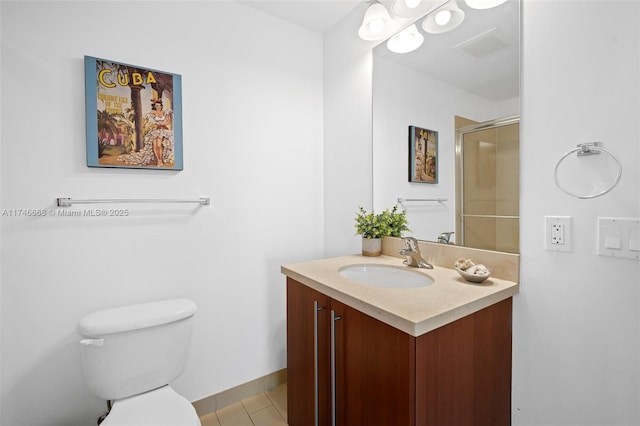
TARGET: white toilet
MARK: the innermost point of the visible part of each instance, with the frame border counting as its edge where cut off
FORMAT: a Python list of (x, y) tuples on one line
[(131, 354)]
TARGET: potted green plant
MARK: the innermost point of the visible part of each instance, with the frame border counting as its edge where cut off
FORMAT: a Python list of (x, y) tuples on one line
[(396, 221), (373, 227)]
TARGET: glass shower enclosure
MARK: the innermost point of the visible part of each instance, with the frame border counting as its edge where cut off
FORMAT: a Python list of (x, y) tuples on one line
[(488, 184)]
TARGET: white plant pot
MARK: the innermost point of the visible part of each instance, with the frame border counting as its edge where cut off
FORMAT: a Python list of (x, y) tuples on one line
[(371, 246)]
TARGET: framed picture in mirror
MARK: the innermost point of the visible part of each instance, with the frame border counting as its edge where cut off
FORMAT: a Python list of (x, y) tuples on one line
[(423, 155)]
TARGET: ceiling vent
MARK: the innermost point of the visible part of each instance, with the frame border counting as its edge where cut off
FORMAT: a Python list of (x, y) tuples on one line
[(483, 44)]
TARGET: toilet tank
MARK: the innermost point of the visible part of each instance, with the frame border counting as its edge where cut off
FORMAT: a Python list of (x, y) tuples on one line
[(136, 348)]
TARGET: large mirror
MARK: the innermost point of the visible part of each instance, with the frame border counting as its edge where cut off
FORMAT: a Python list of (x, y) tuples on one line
[(460, 92)]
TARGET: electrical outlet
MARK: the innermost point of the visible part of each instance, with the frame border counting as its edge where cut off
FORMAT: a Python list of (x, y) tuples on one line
[(557, 233)]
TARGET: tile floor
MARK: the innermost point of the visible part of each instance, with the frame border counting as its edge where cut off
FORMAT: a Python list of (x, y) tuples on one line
[(268, 408)]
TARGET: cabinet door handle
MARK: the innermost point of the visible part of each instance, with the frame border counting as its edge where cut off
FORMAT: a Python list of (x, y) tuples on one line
[(316, 308), (334, 318)]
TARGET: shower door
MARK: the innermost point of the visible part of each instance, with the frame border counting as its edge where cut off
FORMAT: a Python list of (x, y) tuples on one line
[(488, 185)]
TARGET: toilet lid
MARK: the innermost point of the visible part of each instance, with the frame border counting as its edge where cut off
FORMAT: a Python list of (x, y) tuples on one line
[(159, 407)]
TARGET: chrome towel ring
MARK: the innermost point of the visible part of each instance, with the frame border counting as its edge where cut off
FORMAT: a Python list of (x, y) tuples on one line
[(584, 149)]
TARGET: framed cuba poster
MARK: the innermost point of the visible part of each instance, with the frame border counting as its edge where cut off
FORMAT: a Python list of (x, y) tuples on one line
[(423, 155), (133, 116)]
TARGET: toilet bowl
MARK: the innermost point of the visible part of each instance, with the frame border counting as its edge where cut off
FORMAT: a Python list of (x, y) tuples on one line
[(160, 407), (131, 355)]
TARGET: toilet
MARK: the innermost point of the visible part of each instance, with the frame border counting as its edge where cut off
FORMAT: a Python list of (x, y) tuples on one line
[(131, 354)]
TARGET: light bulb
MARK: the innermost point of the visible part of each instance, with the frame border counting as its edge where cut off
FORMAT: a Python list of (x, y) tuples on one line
[(406, 41), (412, 4), (374, 23), (443, 17), (376, 26), (484, 4)]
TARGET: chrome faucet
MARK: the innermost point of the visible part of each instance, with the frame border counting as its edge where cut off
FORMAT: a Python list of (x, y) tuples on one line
[(445, 237), (412, 254)]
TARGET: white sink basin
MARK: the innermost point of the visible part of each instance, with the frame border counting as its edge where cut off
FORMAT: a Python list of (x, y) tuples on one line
[(386, 276)]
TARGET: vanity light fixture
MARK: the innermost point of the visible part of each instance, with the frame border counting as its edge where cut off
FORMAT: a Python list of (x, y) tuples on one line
[(412, 8), (440, 16), (375, 24), (484, 4), (444, 19), (406, 40)]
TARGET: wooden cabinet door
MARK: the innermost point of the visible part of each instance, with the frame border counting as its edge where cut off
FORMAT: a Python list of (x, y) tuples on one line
[(463, 370), (307, 356), (375, 371)]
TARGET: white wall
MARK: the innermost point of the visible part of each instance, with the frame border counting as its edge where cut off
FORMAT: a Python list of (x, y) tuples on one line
[(252, 98), (576, 321), (347, 132), (425, 102)]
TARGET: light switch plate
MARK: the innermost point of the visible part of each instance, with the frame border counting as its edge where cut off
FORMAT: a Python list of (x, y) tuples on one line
[(618, 237), (634, 238), (612, 237)]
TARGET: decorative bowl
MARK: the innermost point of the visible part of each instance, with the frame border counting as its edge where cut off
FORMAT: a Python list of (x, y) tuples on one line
[(474, 278)]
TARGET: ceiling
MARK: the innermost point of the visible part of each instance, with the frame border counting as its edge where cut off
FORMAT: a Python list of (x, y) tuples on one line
[(316, 15), (481, 56)]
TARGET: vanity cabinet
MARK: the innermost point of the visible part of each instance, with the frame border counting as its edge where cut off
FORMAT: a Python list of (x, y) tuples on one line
[(347, 368)]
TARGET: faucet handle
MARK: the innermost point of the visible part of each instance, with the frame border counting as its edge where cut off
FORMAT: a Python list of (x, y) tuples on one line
[(411, 242), (445, 237)]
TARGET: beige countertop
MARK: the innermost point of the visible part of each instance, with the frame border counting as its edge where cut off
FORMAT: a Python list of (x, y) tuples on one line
[(413, 310)]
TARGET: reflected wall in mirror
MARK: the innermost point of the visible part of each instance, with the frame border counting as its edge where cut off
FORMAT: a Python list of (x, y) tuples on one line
[(472, 72)]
